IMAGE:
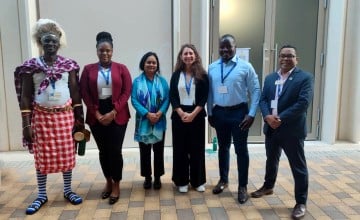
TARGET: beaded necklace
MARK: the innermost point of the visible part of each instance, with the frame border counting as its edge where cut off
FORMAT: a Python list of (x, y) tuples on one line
[(49, 71), (46, 65)]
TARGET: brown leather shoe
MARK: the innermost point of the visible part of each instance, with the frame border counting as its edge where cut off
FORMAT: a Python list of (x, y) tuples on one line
[(219, 187), (298, 211), (262, 192)]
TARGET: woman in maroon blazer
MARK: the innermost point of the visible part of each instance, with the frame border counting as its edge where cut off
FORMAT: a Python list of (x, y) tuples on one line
[(105, 88)]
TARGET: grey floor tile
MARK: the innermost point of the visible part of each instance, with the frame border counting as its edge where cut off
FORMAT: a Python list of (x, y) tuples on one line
[(185, 214), (218, 213)]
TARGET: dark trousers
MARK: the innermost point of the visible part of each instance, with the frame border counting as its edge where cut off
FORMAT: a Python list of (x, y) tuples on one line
[(145, 158), (188, 152), (226, 123), (294, 150), (109, 140)]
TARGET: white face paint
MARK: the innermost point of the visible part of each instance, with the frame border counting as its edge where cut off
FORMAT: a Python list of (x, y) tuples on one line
[(49, 36), (50, 43)]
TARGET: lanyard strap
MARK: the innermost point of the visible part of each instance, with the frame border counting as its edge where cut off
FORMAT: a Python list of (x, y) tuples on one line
[(188, 86), (52, 83), (227, 74), (105, 74), (278, 88)]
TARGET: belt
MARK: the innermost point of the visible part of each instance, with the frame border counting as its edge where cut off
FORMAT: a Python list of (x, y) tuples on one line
[(233, 107), (52, 110)]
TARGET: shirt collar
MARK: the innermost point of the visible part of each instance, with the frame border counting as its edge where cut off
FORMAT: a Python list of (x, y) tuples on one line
[(234, 59), (286, 74)]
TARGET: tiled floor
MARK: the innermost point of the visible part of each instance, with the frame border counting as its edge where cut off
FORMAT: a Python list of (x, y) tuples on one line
[(334, 189)]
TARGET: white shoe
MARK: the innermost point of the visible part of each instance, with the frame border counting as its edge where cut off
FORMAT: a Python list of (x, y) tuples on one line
[(183, 189), (201, 188)]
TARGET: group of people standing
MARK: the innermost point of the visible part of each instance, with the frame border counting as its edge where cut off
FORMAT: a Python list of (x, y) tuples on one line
[(50, 91)]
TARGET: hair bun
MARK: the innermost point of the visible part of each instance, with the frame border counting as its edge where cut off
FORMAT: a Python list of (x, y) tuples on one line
[(101, 36)]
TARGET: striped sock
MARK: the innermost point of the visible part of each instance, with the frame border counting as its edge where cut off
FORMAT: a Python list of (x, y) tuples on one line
[(42, 197), (68, 194), (41, 180), (67, 175)]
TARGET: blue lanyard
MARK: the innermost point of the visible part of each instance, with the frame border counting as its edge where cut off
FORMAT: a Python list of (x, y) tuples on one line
[(106, 76), (52, 82), (228, 73), (278, 88), (188, 86)]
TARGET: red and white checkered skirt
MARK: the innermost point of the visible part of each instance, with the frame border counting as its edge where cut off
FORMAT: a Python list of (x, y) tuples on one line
[(54, 147)]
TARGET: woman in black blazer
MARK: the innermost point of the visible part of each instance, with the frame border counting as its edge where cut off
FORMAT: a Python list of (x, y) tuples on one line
[(189, 87)]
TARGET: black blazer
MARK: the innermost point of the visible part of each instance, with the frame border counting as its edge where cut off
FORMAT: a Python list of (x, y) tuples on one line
[(201, 94), (293, 102)]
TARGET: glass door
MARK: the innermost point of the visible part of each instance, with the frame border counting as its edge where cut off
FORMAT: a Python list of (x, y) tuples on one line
[(264, 26), (300, 24)]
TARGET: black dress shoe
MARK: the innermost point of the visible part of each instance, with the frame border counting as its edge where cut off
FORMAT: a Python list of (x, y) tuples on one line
[(242, 195), (113, 199), (219, 187), (298, 211), (105, 195), (262, 192), (157, 183), (147, 183)]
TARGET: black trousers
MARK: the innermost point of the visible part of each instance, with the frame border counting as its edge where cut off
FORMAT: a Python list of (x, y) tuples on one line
[(145, 158), (109, 140), (188, 152), (294, 150)]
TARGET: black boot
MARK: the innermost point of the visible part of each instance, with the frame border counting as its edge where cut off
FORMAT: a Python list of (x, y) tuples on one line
[(157, 183), (147, 182)]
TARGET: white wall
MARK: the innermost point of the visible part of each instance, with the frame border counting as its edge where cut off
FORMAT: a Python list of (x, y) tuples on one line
[(4, 135), (11, 47), (333, 71), (350, 102), (341, 103)]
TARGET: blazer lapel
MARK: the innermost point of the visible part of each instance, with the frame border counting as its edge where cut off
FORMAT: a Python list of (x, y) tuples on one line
[(115, 79), (273, 86), (93, 77)]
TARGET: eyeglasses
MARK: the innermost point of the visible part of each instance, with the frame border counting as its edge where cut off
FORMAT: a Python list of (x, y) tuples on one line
[(289, 56)]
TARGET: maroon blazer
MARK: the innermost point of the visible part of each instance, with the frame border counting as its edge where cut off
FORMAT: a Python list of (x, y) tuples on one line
[(121, 90)]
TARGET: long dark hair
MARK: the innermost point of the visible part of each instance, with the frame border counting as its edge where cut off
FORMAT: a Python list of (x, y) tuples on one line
[(196, 68)]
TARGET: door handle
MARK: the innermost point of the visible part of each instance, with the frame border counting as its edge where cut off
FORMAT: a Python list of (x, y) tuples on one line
[(265, 50), (275, 57)]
